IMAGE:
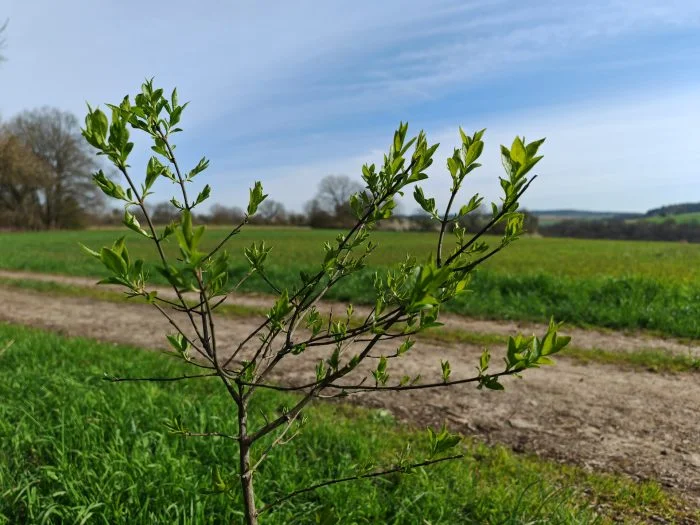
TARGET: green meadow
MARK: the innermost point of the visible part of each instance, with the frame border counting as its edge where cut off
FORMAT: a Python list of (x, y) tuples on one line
[(77, 449), (625, 285)]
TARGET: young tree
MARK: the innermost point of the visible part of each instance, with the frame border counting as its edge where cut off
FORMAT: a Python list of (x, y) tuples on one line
[(408, 297), (65, 188)]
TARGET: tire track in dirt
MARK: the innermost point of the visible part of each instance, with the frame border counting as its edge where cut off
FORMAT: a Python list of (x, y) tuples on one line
[(643, 424), (583, 338)]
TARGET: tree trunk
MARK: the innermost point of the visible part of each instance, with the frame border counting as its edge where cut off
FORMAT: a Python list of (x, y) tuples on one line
[(251, 513)]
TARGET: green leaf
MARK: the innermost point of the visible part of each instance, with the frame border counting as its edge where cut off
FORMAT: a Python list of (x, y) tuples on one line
[(474, 152), (203, 195), (484, 361), (131, 222), (113, 261), (380, 375), (442, 441), (109, 187), (154, 169), (446, 370), (517, 151), (256, 197), (427, 204), (89, 251), (491, 383), (199, 168)]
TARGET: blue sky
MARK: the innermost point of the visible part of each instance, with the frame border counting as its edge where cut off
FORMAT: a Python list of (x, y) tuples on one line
[(287, 92)]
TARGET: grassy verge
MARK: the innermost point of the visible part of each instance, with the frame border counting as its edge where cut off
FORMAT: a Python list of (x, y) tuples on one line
[(648, 359), (74, 448), (623, 285)]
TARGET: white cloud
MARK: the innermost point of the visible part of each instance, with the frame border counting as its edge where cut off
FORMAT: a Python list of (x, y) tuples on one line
[(620, 155)]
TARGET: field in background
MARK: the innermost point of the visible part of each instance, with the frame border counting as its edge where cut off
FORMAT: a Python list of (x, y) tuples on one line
[(615, 284)]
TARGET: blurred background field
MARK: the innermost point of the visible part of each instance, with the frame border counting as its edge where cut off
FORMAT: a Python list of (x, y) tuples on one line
[(612, 284)]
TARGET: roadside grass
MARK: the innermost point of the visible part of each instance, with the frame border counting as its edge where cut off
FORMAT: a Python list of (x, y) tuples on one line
[(622, 285), (74, 448), (651, 359)]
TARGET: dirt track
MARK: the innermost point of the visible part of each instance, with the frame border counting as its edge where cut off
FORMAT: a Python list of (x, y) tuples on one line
[(644, 424)]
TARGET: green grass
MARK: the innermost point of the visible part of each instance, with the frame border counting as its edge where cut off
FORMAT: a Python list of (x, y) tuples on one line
[(648, 359), (76, 449), (616, 284)]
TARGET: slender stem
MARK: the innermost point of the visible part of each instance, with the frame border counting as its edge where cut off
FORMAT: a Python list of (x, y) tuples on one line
[(225, 240), (443, 225), (172, 159), (506, 208), (392, 470), (157, 379), (372, 388), (208, 434), (156, 240), (246, 473), (474, 379)]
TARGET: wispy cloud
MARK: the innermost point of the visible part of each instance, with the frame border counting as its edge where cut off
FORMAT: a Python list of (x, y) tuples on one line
[(298, 89), (623, 155)]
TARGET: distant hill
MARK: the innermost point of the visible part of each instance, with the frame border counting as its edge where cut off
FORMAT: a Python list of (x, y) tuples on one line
[(675, 209), (553, 216), (679, 218)]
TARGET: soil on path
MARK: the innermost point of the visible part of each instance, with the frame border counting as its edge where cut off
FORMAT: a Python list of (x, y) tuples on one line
[(600, 416), (583, 338)]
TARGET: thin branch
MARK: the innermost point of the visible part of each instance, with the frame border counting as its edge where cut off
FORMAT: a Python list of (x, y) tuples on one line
[(207, 434), (181, 331), (156, 379), (156, 240), (506, 208), (475, 379), (392, 470), (225, 240), (305, 400), (443, 225)]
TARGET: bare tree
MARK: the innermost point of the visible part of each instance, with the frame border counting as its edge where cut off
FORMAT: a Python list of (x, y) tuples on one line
[(19, 178), (272, 212), (65, 184), (220, 214), (164, 213), (334, 191)]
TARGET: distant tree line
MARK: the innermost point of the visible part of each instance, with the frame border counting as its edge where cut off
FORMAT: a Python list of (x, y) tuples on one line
[(617, 229), (674, 209), (329, 208)]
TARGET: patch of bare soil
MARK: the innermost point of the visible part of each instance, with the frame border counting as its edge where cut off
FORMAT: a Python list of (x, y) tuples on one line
[(643, 424), (583, 338)]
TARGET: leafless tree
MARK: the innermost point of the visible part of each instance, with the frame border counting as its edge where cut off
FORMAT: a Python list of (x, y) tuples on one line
[(65, 184), (220, 214), (272, 212), (20, 173), (164, 213), (334, 191)]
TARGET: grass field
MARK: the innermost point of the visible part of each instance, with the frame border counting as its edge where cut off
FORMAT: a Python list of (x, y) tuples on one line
[(75, 449), (616, 284)]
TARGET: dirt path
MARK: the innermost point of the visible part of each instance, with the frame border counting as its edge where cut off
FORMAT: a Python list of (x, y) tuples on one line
[(644, 424), (583, 338)]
